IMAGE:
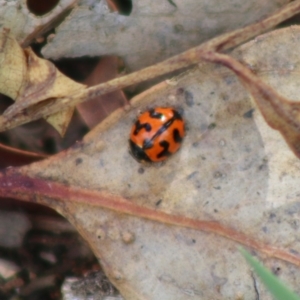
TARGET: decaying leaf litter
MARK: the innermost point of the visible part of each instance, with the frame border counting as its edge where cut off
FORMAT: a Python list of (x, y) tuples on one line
[(223, 188), (33, 81), (159, 31), (19, 114)]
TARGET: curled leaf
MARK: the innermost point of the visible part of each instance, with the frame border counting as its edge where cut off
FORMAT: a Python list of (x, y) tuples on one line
[(25, 113), (33, 83), (279, 112), (187, 214)]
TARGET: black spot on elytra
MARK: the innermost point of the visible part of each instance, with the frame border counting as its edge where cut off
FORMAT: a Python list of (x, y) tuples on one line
[(154, 114), (176, 136), (176, 115), (138, 152), (139, 126), (165, 152)]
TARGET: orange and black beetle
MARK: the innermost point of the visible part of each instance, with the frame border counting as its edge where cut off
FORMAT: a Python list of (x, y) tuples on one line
[(156, 134)]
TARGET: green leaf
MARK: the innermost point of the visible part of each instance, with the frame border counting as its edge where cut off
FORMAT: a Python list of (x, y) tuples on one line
[(278, 289)]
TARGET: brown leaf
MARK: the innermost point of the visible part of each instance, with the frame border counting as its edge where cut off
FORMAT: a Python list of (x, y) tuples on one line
[(13, 68), (175, 225), (153, 31), (162, 231), (32, 82), (25, 113), (279, 112)]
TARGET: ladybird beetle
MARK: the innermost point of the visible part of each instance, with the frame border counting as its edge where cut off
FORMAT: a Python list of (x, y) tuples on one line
[(156, 134)]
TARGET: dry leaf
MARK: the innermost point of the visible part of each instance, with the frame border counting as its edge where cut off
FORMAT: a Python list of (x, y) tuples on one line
[(32, 82), (154, 31), (20, 114), (170, 230), (281, 113)]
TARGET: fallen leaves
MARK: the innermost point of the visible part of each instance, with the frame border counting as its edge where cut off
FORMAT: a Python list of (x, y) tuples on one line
[(162, 231), (33, 83), (51, 104), (153, 31), (157, 221)]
